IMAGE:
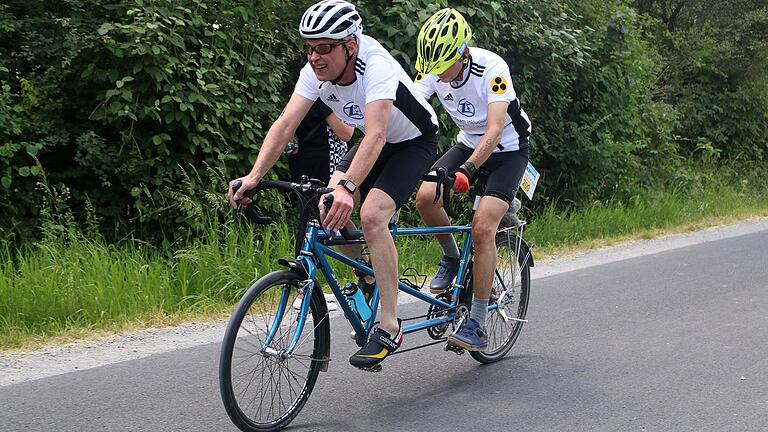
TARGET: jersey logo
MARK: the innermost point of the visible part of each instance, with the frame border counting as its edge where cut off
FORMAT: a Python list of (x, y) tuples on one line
[(448, 97), (353, 111), (498, 85), (332, 98), (465, 107)]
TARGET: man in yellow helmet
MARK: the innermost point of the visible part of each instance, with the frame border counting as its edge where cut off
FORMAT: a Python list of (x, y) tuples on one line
[(475, 88)]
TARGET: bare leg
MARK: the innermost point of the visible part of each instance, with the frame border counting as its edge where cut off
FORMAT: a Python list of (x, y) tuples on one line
[(484, 225), (375, 214)]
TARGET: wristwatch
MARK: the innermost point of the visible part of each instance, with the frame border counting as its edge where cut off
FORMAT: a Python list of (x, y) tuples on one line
[(348, 185), (470, 167)]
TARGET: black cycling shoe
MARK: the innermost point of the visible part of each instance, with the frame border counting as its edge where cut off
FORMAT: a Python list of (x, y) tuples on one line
[(471, 336), (380, 345), (445, 274)]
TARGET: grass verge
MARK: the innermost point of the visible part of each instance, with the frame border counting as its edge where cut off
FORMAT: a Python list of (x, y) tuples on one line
[(70, 287)]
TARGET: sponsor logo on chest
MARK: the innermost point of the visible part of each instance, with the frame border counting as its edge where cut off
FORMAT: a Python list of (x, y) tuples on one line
[(353, 111), (465, 108)]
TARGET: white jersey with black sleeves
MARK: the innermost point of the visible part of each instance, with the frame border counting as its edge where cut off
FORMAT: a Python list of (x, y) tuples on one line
[(378, 77), (485, 80)]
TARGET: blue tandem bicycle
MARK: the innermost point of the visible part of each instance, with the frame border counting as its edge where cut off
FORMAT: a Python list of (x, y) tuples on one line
[(272, 353)]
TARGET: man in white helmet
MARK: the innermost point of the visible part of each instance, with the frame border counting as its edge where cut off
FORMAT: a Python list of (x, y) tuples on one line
[(366, 88)]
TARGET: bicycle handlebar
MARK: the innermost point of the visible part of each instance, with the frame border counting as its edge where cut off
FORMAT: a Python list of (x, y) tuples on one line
[(308, 190), (305, 190)]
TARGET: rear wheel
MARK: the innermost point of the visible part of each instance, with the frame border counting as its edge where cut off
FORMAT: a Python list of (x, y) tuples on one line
[(261, 390), (511, 284)]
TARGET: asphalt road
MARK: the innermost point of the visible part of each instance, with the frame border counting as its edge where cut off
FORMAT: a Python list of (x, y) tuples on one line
[(671, 341)]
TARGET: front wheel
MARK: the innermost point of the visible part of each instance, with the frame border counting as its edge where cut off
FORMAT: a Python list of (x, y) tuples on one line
[(261, 390), (510, 290)]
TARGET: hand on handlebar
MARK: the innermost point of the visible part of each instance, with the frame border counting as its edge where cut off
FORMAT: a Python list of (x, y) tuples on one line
[(461, 180), (338, 214), (445, 181), (246, 182)]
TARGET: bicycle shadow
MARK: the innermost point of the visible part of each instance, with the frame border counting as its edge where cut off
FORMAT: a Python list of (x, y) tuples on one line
[(441, 393)]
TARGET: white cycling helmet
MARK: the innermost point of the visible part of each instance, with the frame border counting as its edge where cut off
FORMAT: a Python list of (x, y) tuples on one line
[(332, 19)]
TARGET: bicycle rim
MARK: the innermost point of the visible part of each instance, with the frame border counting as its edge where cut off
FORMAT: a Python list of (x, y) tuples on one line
[(263, 392)]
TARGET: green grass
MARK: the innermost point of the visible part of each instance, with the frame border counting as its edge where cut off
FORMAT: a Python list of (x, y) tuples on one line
[(86, 285), (71, 286), (706, 202)]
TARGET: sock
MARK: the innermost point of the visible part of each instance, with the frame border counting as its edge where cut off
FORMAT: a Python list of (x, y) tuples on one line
[(479, 311), (450, 249)]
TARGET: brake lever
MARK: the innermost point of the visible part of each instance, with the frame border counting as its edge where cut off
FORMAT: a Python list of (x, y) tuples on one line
[(444, 186), (235, 186)]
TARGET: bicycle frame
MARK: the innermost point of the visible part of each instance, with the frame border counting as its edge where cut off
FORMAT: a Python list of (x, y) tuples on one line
[(314, 255)]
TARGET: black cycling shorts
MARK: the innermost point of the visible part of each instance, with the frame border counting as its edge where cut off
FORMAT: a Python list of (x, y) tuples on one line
[(502, 171), (398, 169)]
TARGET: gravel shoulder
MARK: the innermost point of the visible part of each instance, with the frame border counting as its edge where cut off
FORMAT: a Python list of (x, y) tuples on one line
[(21, 367)]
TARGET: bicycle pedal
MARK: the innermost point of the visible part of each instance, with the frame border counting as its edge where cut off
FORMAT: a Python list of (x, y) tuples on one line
[(372, 369), (457, 350)]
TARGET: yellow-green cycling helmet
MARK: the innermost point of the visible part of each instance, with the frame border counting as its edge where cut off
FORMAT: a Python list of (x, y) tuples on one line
[(441, 41)]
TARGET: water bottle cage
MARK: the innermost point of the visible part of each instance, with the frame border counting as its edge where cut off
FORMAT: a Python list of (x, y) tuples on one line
[(413, 278)]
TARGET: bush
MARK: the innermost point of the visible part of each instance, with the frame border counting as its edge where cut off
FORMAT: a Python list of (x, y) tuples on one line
[(715, 74), (143, 109), (158, 104)]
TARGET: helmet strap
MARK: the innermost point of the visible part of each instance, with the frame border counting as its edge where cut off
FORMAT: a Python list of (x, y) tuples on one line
[(349, 61), (464, 63)]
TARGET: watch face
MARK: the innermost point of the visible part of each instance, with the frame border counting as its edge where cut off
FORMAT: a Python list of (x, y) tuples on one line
[(348, 185)]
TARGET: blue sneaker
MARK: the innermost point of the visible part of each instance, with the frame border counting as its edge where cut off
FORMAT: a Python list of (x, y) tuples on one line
[(445, 274), (470, 336)]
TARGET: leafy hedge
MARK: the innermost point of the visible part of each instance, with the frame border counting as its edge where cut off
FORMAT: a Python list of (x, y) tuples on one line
[(141, 110)]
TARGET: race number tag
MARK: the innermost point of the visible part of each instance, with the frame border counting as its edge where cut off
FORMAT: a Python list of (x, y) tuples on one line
[(530, 180)]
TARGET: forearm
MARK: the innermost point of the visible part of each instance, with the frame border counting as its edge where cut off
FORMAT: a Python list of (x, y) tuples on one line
[(342, 130), (485, 147), (274, 143), (492, 137)]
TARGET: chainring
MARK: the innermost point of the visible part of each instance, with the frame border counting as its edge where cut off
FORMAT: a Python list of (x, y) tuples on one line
[(437, 332)]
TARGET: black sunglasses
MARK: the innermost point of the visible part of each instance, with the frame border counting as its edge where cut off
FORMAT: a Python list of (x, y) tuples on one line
[(323, 48)]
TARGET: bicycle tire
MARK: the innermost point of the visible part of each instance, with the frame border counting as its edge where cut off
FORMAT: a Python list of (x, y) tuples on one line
[(513, 275), (252, 385)]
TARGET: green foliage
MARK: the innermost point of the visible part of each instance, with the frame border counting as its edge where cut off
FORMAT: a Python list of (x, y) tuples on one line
[(197, 88), (146, 105), (143, 109), (19, 145), (586, 77), (715, 70)]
